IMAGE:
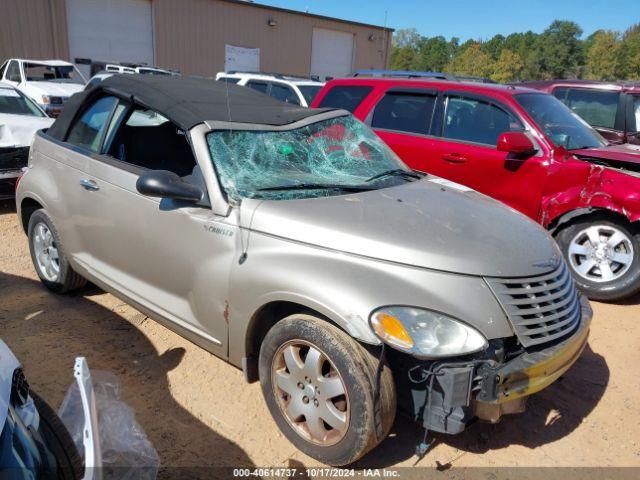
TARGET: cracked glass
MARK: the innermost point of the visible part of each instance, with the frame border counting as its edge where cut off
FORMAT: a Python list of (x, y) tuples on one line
[(329, 157)]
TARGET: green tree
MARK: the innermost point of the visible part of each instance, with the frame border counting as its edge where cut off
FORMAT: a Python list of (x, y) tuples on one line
[(434, 53), (471, 61), (629, 54), (559, 50), (602, 55), (525, 46), (404, 58), (406, 37), (508, 67), (494, 46)]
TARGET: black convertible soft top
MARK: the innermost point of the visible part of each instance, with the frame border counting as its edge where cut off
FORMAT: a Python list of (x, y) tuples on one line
[(188, 102)]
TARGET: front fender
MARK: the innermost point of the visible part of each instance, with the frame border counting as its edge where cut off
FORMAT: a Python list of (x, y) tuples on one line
[(346, 288), (605, 188)]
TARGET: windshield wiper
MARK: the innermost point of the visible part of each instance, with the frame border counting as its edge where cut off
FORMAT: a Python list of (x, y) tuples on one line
[(398, 172), (318, 186)]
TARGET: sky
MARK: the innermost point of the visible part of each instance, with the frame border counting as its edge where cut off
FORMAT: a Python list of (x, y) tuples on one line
[(475, 19)]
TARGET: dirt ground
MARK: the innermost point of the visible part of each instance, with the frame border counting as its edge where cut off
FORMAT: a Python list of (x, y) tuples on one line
[(198, 411)]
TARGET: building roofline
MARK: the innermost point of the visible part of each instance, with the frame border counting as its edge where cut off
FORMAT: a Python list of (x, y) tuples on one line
[(313, 15)]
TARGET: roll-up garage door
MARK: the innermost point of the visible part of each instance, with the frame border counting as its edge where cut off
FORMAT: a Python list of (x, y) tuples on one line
[(332, 53), (110, 30)]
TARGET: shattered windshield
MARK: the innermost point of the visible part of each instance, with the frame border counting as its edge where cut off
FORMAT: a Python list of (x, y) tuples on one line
[(330, 157), (559, 123)]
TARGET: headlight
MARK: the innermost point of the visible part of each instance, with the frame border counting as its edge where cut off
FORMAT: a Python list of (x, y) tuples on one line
[(425, 333)]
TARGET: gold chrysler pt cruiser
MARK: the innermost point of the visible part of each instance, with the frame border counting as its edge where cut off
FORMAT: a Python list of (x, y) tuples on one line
[(294, 244)]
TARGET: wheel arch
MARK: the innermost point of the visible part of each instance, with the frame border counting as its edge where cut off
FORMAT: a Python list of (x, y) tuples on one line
[(567, 218), (264, 318), (28, 205)]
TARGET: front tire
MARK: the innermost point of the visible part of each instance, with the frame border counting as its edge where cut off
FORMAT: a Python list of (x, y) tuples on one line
[(48, 257), (324, 390), (604, 257)]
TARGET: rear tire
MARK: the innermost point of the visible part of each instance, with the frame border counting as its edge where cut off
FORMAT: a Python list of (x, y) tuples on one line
[(69, 464), (48, 255), (340, 405), (604, 257)]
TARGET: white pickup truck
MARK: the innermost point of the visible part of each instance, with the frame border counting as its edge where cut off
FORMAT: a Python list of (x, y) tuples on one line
[(49, 83)]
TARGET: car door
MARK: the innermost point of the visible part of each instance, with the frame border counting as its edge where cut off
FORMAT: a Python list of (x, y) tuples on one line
[(403, 118), (159, 254), (465, 152)]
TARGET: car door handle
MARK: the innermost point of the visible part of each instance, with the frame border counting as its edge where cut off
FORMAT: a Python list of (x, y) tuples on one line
[(90, 185), (454, 158)]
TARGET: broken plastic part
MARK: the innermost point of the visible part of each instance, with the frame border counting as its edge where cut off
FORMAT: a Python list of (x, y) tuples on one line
[(339, 151)]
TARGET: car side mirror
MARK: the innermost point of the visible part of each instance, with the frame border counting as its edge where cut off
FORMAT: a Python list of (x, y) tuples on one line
[(516, 142), (165, 184)]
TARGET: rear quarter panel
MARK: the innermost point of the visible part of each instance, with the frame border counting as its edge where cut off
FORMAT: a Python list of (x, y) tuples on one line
[(53, 180)]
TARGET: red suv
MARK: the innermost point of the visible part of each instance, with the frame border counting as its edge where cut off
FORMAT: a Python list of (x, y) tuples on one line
[(524, 148), (613, 109)]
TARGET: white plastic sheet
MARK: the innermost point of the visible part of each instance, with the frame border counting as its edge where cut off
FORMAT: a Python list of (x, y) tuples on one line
[(126, 450)]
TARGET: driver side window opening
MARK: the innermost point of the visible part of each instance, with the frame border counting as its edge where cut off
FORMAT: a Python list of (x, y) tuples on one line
[(146, 139), (476, 121)]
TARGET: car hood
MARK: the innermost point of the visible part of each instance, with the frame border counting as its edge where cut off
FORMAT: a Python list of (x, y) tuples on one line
[(18, 130), (441, 226), (625, 154), (55, 89)]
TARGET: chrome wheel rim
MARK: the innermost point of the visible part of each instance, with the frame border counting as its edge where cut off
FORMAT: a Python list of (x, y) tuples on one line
[(310, 393), (46, 252), (601, 253)]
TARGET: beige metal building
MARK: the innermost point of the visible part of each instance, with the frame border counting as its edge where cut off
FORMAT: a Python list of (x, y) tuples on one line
[(197, 37)]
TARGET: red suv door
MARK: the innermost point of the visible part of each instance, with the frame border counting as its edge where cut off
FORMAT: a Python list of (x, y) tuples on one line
[(465, 151), (403, 118)]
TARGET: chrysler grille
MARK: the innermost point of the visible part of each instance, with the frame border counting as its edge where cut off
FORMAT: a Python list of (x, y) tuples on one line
[(541, 308)]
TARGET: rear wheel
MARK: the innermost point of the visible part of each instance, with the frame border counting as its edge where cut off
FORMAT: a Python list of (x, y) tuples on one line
[(604, 257), (324, 390), (47, 254)]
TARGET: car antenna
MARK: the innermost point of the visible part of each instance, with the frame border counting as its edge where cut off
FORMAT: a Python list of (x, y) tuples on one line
[(238, 203)]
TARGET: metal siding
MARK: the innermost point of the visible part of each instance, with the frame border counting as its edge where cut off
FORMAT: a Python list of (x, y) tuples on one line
[(190, 35), (33, 29)]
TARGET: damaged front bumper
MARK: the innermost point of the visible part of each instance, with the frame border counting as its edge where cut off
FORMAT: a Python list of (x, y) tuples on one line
[(445, 397), (12, 161)]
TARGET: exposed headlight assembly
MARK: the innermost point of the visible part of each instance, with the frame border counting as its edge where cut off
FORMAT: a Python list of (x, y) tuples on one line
[(425, 333)]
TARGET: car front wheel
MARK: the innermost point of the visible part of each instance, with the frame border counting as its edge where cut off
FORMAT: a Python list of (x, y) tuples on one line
[(604, 257), (330, 397)]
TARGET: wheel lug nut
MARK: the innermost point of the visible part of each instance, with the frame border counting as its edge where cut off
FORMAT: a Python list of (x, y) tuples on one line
[(305, 399), (300, 385), (307, 379), (316, 402), (317, 391)]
